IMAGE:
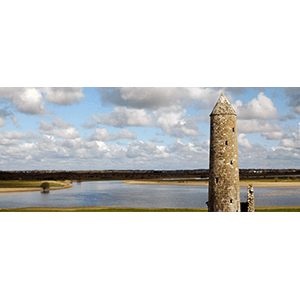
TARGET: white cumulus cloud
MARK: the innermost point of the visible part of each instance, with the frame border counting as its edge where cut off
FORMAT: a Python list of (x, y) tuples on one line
[(153, 98), (261, 107), (59, 128), (29, 100), (102, 134), (63, 95), (172, 121), (123, 116), (249, 126), (243, 142)]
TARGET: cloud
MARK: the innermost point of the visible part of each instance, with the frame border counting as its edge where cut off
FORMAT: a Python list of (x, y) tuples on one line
[(155, 98), (287, 152), (262, 126), (288, 116), (155, 140), (190, 150), (243, 142), (294, 141), (253, 116), (171, 121), (261, 108), (122, 116), (254, 156), (141, 98), (30, 100), (30, 135), (2, 121), (25, 100), (288, 143), (241, 90), (59, 128), (275, 135), (102, 134), (293, 95), (88, 125), (16, 137), (63, 95), (4, 114), (146, 150), (283, 156)]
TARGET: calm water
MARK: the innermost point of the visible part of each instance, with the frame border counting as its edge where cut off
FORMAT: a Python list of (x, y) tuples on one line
[(115, 193)]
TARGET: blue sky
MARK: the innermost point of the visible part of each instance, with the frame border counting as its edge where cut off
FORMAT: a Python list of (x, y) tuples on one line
[(142, 128)]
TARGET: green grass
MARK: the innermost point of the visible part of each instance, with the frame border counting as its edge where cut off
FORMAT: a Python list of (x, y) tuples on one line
[(100, 209), (23, 184), (131, 209), (278, 209)]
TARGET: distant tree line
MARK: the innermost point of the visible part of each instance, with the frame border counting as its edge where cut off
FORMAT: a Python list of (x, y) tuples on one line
[(138, 174)]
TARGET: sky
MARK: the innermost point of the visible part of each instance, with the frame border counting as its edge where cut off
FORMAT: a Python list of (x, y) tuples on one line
[(142, 128)]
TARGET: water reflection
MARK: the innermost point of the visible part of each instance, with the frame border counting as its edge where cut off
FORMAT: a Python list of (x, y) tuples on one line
[(115, 193)]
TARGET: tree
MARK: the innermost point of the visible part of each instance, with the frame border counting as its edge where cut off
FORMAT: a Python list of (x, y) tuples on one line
[(45, 186)]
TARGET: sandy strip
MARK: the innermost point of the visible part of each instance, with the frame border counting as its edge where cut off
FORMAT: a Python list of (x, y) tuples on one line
[(270, 184), (66, 185), (166, 182), (205, 183)]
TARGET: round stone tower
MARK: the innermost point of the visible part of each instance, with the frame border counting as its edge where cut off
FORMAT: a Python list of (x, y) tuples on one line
[(224, 188)]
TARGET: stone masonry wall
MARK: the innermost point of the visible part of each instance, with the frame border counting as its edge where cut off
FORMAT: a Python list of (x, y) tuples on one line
[(224, 189), (250, 199)]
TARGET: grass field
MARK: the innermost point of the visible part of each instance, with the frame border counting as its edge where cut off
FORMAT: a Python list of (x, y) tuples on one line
[(24, 184), (130, 209)]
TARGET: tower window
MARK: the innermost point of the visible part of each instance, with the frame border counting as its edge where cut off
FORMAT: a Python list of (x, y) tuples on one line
[(230, 200), (226, 143), (231, 162), (217, 180), (233, 129)]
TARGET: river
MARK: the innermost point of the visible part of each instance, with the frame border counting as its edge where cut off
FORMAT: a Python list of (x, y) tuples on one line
[(118, 194)]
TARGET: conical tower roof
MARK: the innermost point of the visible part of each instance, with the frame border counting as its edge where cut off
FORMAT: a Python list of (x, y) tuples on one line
[(223, 107)]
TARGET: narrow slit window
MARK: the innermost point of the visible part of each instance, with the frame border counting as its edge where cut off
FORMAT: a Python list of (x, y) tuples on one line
[(230, 200), (226, 143), (233, 129), (217, 180), (231, 162)]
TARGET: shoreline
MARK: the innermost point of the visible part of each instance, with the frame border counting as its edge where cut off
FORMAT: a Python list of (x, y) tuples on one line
[(255, 184), (66, 185)]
